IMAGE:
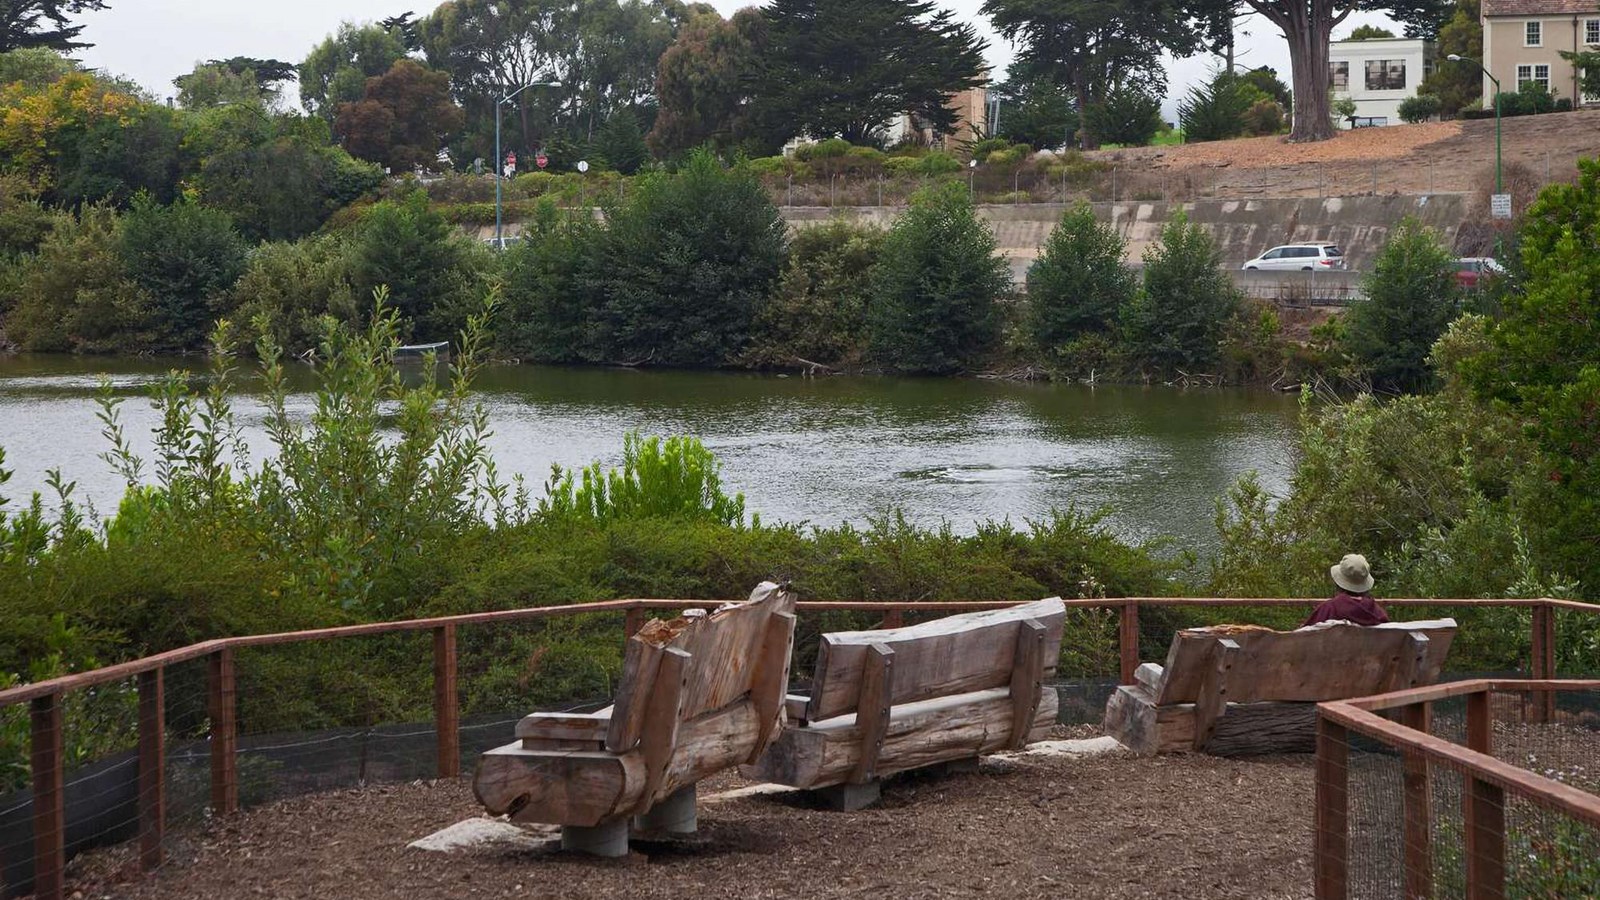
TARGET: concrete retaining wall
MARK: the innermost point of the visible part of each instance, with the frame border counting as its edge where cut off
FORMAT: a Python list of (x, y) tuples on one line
[(1243, 228)]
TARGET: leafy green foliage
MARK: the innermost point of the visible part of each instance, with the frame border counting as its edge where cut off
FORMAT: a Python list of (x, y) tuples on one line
[(336, 70), (1369, 33), (818, 310), (117, 159), (1214, 110), (1420, 108), (1078, 287), (1126, 115), (845, 67), (1408, 300), (620, 143), (1458, 85), (1178, 319), (684, 264), (28, 24), (184, 256), (547, 278), (1038, 114), (1264, 117), (1545, 360), (936, 287), (76, 293), (287, 288), (701, 85), (675, 479), (285, 186), (432, 272)]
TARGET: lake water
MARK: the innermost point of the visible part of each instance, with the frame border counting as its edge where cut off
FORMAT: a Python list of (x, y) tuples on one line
[(814, 450)]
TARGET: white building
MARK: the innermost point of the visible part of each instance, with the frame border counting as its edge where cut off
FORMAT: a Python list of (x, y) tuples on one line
[(1377, 74)]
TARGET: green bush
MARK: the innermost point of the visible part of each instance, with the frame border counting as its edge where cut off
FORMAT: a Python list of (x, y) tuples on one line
[(818, 310), (434, 274), (1406, 303), (76, 294), (185, 257), (549, 290), (676, 479), (1178, 319), (684, 263), (936, 286), (1420, 108), (1077, 288), (1126, 116), (1214, 110), (831, 148), (937, 162), (1264, 117), (287, 288)]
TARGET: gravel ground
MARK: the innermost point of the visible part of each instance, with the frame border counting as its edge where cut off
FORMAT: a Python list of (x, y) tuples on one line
[(1444, 157), (1107, 826)]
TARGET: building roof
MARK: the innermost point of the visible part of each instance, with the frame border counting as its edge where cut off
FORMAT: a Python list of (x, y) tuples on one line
[(1540, 7)]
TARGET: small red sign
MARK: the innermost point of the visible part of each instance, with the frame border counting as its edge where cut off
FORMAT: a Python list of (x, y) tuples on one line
[(541, 160)]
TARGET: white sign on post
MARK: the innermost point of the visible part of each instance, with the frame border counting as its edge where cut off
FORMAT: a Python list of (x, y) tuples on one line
[(1500, 206)]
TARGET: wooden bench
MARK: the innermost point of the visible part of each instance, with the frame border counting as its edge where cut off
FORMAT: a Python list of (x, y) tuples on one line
[(696, 696), (944, 691), (1241, 689)]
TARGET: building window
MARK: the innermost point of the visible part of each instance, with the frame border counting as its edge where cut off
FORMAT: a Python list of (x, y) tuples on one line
[(1533, 36), (1539, 74), (1591, 31), (1386, 74), (1339, 76)]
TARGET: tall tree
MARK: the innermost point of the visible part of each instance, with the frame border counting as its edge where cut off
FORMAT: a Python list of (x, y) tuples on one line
[(703, 83), (603, 53), (403, 120), (1457, 85), (1094, 46), (1038, 113), (1308, 25), (241, 79), (847, 68), (43, 23), (336, 70)]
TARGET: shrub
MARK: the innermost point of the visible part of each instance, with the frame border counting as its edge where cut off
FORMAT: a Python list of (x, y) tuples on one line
[(1408, 300), (1126, 116), (184, 256), (1419, 108), (1178, 319), (831, 148), (1214, 110), (935, 288), (434, 274), (1264, 117), (1078, 286), (287, 288), (548, 277), (675, 479), (937, 162), (76, 293), (684, 263), (818, 310)]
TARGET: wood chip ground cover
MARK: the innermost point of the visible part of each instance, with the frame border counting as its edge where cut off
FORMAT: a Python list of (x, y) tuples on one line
[(1041, 826)]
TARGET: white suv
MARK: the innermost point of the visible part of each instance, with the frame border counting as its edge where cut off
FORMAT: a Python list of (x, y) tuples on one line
[(1304, 257)]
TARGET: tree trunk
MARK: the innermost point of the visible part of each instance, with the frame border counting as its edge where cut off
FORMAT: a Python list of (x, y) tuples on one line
[(1307, 24)]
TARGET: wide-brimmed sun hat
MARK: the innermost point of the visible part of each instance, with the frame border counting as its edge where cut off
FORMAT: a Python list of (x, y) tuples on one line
[(1352, 573)]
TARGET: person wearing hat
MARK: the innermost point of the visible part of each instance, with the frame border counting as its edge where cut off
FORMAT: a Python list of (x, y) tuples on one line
[(1353, 602)]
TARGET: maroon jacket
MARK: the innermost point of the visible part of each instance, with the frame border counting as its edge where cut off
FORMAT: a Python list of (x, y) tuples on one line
[(1358, 608)]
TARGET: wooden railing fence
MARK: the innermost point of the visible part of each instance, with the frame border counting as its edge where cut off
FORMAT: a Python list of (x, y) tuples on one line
[(1488, 783), (46, 698)]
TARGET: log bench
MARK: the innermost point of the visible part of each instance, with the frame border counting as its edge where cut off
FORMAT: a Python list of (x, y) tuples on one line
[(696, 696), (936, 693), (1234, 690)]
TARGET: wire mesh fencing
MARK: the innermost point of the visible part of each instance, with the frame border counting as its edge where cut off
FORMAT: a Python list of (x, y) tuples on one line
[(1473, 789)]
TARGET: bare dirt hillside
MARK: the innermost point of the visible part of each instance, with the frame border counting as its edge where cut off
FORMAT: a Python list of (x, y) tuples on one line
[(1439, 157)]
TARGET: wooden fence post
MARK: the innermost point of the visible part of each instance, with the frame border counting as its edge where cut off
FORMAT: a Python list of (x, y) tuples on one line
[(1483, 811), (224, 733), (1418, 798), (1332, 816), (446, 702), (893, 618), (632, 623), (1128, 640), (49, 799), (152, 767), (1544, 661)]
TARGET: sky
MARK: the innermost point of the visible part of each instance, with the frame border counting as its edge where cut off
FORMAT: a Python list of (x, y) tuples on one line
[(154, 41)]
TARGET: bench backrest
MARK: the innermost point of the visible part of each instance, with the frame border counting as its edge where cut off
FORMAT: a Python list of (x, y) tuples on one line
[(740, 650), (1334, 661), (954, 655)]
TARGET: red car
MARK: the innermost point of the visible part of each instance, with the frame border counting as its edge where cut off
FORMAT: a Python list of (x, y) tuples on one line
[(1472, 271)]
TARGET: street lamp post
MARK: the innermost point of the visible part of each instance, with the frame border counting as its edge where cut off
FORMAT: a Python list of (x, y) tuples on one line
[(499, 161), (1499, 185)]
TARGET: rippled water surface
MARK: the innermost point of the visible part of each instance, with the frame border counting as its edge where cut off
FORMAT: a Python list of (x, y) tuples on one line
[(821, 451)]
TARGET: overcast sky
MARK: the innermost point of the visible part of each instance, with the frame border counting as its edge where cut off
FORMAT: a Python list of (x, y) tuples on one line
[(154, 41)]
